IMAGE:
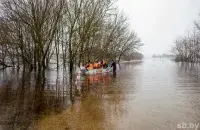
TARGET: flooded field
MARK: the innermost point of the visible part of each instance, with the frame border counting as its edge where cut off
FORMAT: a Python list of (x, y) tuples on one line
[(156, 94)]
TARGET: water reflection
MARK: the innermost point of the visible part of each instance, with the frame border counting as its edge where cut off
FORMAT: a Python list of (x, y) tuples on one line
[(154, 94), (92, 83), (165, 94), (25, 98), (97, 98)]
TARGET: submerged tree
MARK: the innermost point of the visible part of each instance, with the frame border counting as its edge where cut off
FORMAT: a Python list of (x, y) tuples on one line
[(36, 33), (187, 48), (32, 26)]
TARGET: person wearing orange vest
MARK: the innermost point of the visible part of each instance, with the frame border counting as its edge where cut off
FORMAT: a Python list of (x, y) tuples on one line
[(96, 65), (90, 66)]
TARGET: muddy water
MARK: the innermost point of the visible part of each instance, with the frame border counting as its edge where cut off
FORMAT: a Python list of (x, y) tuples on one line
[(159, 94), (155, 94)]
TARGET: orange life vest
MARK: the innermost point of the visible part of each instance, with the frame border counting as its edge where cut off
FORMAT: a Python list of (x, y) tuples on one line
[(99, 65), (96, 65), (90, 67)]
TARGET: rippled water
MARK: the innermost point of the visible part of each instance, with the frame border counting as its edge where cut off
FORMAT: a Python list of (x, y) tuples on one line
[(155, 94), (159, 94)]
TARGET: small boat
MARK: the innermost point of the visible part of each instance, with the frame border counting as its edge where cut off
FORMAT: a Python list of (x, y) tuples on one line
[(80, 75), (98, 71)]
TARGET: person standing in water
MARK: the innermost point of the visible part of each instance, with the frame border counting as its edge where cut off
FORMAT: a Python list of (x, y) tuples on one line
[(114, 66)]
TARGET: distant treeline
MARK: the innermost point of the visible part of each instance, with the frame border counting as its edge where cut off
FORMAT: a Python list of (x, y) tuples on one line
[(163, 56), (133, 56), (187, 48)]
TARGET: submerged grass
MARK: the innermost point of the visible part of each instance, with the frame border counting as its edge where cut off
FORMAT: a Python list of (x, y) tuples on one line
[(98, 110), (86, 115)]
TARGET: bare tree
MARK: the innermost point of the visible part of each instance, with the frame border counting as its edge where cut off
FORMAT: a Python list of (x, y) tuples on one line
[(33, 25)]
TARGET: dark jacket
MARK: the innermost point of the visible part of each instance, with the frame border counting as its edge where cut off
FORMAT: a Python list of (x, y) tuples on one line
[(114, 66)]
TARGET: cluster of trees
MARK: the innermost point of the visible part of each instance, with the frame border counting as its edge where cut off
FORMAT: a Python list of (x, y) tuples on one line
[(163, 56), (187, 48), (133, 56), (33, 33)]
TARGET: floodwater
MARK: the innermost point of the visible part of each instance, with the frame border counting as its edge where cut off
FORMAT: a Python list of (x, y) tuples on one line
[(156, 94)]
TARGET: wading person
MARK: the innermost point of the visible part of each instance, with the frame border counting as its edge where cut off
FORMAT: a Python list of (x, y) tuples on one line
[(114, 66)]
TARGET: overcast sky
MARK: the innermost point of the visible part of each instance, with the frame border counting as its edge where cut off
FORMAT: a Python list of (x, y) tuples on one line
[(159, 22)]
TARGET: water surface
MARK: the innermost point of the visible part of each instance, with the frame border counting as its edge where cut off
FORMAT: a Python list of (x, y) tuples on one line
[(153, 94)]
